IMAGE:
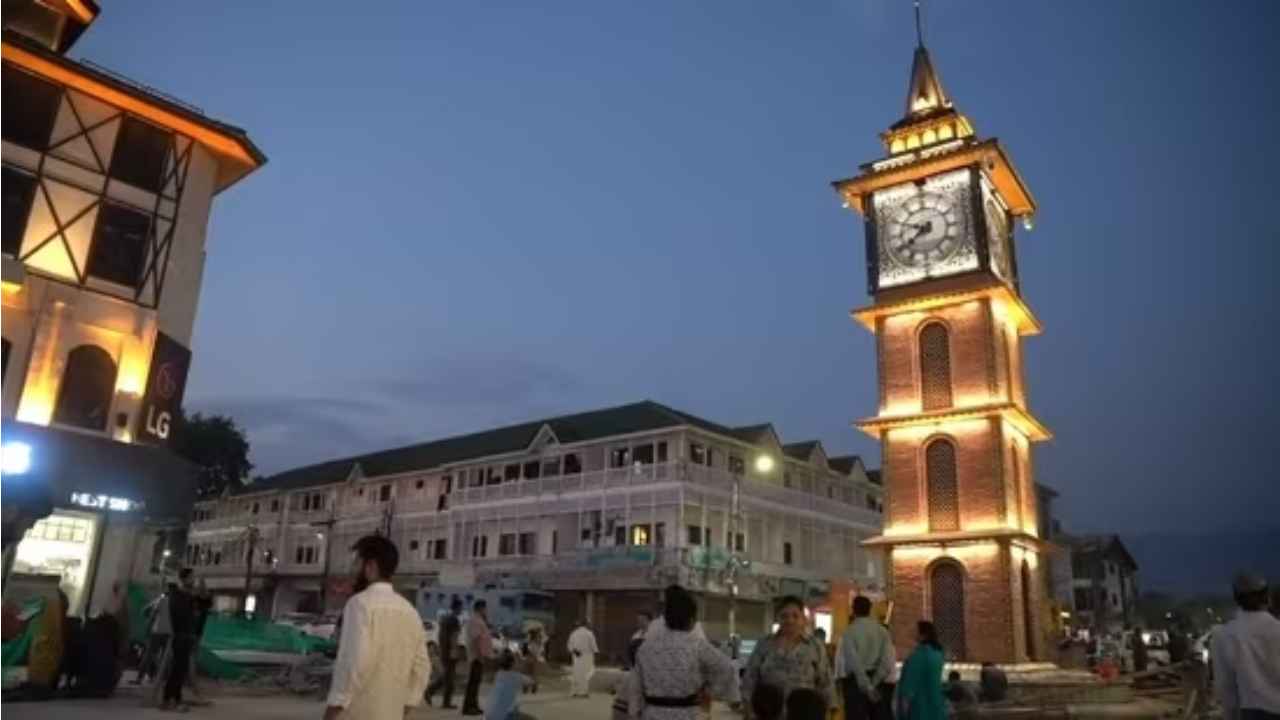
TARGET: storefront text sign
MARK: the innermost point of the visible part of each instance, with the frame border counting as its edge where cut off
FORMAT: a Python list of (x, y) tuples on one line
[(165, 384), (106, 502)]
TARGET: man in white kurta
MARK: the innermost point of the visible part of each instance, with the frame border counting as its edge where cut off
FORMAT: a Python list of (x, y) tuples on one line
[(582, 646), (382, 666)]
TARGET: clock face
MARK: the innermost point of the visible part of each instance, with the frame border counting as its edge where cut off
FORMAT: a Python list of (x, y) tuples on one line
[(924, 230), (997, 237)]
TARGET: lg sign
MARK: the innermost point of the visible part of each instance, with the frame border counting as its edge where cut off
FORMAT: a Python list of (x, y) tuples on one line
[(169, 363)]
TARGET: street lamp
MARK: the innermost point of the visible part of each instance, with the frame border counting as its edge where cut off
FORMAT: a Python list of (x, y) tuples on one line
[(763, 466)]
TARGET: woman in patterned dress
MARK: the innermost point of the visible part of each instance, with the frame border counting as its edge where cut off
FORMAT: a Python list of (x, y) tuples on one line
[(790, 658), (675, 668)]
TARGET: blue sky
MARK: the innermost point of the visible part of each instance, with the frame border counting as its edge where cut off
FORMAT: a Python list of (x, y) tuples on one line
[(477, 213)]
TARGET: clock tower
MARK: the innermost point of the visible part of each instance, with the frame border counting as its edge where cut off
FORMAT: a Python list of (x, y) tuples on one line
[(961, 531)]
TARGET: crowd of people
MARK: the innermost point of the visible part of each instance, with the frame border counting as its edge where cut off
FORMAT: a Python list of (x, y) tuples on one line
[(385, 664)]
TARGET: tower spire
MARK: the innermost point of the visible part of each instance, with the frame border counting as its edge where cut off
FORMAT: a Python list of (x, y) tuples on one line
[(919, 31), (925, 94)]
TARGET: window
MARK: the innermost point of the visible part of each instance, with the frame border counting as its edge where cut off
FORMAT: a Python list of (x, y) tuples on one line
[(442, 503), (510, 473), (935, 366), (384, 492), (360, 492), (139, 154), (572, 464), (739, 542), (643, 454), (532, 470), (507, 544), (1084, 601), (19, 192), (697, 453), (419, 484), (695, 535), (551, 468), (619, 457), (119, 245), (640, 535), (831, 491), (946, 586), (786, 553), (480, 546), (662, 451), (620, 535), (736, 465), (317, 502), (448, 484), (528, 543), (275, 506), (30, 105), (786, 478), (555, 541), (88, 383), (413, 545), (940, 478), (660, 535), (256, 508), (441, 549)]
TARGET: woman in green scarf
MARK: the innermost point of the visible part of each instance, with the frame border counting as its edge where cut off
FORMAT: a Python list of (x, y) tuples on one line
[(920, 687)]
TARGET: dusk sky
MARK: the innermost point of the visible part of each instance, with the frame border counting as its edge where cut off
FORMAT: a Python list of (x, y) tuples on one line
[(477, 214)]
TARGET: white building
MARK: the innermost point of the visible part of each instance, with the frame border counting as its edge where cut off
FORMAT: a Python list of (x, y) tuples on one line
[(107, 186), (604, 507)]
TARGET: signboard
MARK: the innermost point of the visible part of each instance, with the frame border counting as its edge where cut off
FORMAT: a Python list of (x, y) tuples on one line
[(106, 502), (165, 385)]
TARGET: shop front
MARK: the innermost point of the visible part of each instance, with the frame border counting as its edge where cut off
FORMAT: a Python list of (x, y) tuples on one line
[(90, 512)]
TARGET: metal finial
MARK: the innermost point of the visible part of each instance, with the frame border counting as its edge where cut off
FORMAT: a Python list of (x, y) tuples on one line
[(919, 31)]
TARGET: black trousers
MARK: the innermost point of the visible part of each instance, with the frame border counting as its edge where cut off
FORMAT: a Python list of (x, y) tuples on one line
[(446, 681), (182, 646), (860, 707), (1249, 714), (471, 701)]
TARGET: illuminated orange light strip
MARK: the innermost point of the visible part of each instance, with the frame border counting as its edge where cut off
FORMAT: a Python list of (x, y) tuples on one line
[(222, 143), (1025, 320), (82, 11), (1010, 413)]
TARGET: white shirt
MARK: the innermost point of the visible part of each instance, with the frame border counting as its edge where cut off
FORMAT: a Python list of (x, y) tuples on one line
[(583, 641), (382, 664), (1246, 663), (659, 625)]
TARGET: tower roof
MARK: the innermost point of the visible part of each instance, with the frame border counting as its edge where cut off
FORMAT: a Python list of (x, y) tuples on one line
[(925, 95)]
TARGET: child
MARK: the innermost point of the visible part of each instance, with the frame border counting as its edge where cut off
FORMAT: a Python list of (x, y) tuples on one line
[(504, 698)]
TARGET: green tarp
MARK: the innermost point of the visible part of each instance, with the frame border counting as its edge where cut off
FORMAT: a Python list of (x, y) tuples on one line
[(15, 651), (232, 632)]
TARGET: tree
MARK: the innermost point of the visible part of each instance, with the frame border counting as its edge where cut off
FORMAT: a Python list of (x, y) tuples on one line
[(217, 446)]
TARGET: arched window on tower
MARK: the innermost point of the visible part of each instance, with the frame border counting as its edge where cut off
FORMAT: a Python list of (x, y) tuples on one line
[(935, 366), (89, 381), (947, 603), (942, 492)]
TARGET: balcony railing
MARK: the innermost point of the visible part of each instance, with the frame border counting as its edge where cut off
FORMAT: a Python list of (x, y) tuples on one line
[(640, 475)]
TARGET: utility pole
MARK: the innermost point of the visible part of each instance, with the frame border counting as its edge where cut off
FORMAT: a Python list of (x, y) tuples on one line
[(252, 533), (733, 550), (325, 536)]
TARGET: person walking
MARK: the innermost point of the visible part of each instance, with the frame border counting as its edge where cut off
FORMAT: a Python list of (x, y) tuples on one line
[(920, 689), (790, 658), (675, 669), (864, 658), (182, 620), (1246, 655), (382, 665), (534, 651), (583, 648), (479, 649), (158, 634), (643, 619), (450, 626)]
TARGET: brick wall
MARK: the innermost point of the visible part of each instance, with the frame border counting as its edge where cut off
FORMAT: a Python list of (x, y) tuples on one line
[(979, 473)]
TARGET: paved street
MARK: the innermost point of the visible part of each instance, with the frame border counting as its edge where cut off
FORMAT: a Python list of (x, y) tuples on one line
[(556, 706)]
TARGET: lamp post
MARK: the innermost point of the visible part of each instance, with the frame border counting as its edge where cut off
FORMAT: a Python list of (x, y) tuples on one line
[(763, 466)]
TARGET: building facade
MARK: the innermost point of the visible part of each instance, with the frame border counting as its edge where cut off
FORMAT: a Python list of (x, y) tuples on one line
[(108, 186), (605, 508), (1104, 583), (964, 540)]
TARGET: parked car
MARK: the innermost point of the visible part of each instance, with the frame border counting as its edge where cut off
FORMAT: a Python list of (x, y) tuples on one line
[(322, 626)]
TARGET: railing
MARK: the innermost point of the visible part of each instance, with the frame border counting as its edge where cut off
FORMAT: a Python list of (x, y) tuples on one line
[(640, 475)]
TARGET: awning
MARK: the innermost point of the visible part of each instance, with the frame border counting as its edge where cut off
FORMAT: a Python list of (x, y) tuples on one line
[(65, 462)]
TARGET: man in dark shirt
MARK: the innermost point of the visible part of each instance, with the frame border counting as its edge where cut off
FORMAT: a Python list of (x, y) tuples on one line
[(182, 615), (450, 626)]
